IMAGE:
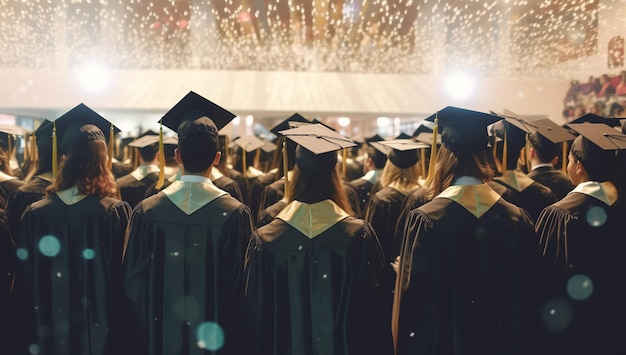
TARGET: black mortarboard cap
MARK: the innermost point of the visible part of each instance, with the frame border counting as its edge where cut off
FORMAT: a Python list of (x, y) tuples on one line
[(592, 118), (317, 138), (596, 146), (403, 152), (81, 124), (423, 126), (403, 135), (374, 138), (268, 146), (380, 148), (249, 143), (148, 133), (284, 125), (315, 120), (193, 106), (10, 131), (551, 131), (516, 131), (43, 135), (427, 137), (462, 130), (145, 141)]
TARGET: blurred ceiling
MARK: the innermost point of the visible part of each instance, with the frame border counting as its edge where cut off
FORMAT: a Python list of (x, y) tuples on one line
[(429, 37)]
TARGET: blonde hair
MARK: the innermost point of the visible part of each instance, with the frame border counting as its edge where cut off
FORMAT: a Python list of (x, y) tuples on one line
[(404, 178)]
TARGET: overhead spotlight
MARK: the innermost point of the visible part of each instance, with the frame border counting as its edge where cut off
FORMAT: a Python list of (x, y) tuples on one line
[(343, 121), (383, 122), (94, 77), (459, 85)]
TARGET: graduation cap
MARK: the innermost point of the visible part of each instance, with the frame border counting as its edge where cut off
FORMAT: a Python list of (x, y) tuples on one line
[(427, 138), (592, 118), (43, 135), (249, 143), (193, 106), (403, 135), (374, 138), (423, 127), (596, 147), (317, 140), (8, 133), (192, 115), (315, 120), (545, 137), (268, 146), (403, 152), (463, 131), (284, 125), (81, 124)]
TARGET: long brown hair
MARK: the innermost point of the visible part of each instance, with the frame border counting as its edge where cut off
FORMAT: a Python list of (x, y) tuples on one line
[(450, 166), (310, 188), (5, 165), (85, 166)]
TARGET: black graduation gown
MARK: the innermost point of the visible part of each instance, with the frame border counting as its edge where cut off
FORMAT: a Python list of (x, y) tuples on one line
[(555, 180), (68, 281), (133, 190), (317, 291), (7, 189), (462, 280), (7, 271), (184, 273), (120, 169), (583, 276), (229, 185), (30, 192), (240, 180), (363, 189), (270, 213), (527, 193), (256, 190), (383, 212)]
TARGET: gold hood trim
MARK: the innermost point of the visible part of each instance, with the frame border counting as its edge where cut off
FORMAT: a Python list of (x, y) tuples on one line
[(603, 191), (252, 172), (143, 171), (70, 196), (515, 179), (191, 196), (5, 177), (312, 219), (477, 199)]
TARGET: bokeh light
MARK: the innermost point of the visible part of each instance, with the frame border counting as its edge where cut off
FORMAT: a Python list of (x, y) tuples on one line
[(459, 85), (579, 287), (596, 216), (49, 245), (94, 77), (21, 253), (556, 315), (89, 254), (210, 336)]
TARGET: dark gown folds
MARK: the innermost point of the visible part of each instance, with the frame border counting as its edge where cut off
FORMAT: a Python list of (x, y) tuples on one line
[(69, 283), (184, 275), (555, 180), (583, 274), (465, 268), (526, 192), (315, 285), (133, 186)]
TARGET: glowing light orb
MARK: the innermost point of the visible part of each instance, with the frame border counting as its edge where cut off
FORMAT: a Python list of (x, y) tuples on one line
[(94, 77), (459, 86), (21, 253), (579, 287), (49, 245), (343, 121), (596, 216), (210, 336), (556, 315), (89, 254)]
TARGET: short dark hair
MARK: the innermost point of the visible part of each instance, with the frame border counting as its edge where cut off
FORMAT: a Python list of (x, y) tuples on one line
[(197, 151), (148, 153), (545, 149), (379, 159)]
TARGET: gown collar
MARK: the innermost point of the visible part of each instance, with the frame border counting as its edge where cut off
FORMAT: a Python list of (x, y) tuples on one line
[(371, 176), (70, 196), (603, 191), (476, 199), (192, 192), (312, 219), (6, 177), (516, 180), (144, 170)]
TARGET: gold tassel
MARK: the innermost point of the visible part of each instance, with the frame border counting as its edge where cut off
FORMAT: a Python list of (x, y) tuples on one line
[(433, 148), (111, 142), (244, 163), (423, 159), (564, 158), (285, 165), (55, 166), (26, 152), (161, 181), (504, 151), (33, 148), (344, 156)]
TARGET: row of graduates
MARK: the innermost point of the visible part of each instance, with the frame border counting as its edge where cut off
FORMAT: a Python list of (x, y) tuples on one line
[(473, 276)]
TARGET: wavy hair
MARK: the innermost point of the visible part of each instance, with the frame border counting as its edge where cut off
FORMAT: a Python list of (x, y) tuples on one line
[(85, 166), (405, 178)]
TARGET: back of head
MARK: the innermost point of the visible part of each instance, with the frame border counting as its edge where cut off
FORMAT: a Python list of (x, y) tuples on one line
[(198, 144), (545, 149)]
